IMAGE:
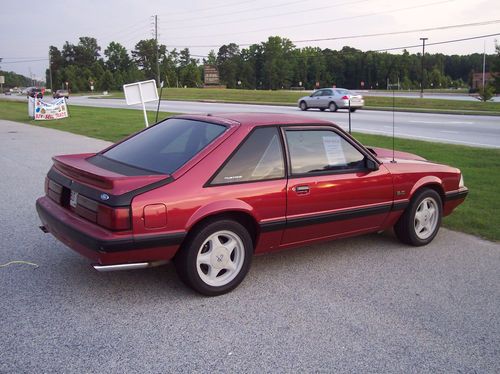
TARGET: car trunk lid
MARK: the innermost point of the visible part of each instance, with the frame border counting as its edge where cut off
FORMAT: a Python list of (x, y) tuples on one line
[(83, 168)]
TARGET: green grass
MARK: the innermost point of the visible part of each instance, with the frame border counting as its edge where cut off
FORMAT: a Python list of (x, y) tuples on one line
[(478, 215), (291, 97), (432, 104), (101, 123)]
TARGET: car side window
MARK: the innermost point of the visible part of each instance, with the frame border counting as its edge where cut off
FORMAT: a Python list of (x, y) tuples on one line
[(327, 93), (318, 93), (260, 157), (313, 151)]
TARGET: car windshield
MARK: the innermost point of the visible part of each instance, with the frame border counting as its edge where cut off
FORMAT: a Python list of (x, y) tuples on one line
[(167, 146)]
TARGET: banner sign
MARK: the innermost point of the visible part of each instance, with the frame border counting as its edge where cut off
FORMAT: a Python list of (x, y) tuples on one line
[(42, 111)]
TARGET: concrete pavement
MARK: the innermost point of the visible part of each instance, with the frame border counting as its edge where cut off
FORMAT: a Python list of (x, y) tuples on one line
[(367, 304)]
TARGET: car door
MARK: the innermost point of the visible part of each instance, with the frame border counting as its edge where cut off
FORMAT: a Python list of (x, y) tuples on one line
[(325, 98), (331, 192), (315, 99)]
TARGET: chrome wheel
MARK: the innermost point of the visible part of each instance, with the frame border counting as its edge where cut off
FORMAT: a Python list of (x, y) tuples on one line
[(220, 258), (426, 218)]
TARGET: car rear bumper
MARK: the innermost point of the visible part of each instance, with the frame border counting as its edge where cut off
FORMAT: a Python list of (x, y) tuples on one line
[(344, 104), (103, 246)]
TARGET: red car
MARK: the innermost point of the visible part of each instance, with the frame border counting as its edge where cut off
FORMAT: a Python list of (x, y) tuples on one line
[(209, 191)]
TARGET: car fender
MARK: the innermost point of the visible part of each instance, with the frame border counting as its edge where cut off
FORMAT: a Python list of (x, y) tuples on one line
[(425, 181), (218, 207)]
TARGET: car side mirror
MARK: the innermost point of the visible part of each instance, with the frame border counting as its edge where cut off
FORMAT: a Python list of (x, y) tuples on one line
[(371, 165)]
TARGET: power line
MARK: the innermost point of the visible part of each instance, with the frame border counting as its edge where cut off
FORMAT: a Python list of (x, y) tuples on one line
[(358, 36), (20, 61), (315, 9), (329, 20), (484, 23), (234, 12), (209, 8), (436, 43), (397, 48)]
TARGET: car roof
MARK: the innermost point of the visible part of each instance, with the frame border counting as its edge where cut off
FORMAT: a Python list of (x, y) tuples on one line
[(257, 119)]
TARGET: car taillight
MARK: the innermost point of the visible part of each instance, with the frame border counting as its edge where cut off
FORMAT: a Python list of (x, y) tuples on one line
[(53, 190), (113, 218), (345, 97)]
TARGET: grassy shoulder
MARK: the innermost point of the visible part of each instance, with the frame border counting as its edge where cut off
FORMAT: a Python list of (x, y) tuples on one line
[(478, 215), (291, 97), (101, 123)]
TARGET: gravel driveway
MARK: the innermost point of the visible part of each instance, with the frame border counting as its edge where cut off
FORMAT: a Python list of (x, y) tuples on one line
[(361, 305)]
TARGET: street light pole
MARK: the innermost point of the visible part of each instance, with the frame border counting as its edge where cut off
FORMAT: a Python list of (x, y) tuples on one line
[(422, 79)]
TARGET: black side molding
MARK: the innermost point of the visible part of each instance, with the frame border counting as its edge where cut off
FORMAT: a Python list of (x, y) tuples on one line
[(455, 195)]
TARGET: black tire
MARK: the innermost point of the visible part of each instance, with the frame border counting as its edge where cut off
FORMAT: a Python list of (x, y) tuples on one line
[(186, 261), (303, 106), (405, 229), (333, 107), (322, 109), (353, 110)]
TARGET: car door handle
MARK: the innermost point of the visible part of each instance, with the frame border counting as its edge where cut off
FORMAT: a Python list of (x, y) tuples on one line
[(301, 190)]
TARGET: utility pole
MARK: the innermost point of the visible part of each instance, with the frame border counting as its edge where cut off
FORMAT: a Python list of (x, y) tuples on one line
[(422, 80), (50, 74), (484, 62), (157, 53)]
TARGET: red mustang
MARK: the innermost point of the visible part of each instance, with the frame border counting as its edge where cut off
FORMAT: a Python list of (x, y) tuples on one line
[(209, 191)]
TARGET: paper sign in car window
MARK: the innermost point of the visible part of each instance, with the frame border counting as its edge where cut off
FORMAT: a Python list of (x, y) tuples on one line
[(334, 150)]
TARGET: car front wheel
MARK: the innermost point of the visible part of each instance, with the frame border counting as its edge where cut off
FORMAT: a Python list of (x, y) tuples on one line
[(303, 105), (420, 222), (215, 258)]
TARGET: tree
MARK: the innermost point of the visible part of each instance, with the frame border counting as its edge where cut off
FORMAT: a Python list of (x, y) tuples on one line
[(228, 59), (495, 69), (107, 82), (117, 57), (144, 56), (86, 52), (211, 58)]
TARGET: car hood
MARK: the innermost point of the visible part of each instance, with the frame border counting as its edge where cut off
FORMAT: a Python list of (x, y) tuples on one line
[(385, 155)]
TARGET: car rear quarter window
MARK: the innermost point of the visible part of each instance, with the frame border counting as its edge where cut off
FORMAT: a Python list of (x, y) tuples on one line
[(167, 146), (313, 151), (260, 157)]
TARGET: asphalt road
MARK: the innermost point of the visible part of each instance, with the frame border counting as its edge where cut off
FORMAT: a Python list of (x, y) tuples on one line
[(362, 305), (478, 131)]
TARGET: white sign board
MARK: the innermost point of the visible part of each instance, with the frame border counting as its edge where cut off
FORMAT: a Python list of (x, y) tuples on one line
[(2, 79), (140, 93)]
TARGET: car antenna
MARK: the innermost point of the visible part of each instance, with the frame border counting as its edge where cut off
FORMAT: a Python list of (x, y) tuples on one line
[(159, 100), (393, 110)]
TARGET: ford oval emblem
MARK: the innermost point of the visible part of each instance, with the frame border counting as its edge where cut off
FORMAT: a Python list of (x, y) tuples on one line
[(104, 196)]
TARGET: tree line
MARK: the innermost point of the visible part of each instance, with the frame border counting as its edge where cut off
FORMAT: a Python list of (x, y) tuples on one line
[(274, 64)]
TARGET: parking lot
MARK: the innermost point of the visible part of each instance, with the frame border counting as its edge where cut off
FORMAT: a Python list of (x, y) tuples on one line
[(368, 304)]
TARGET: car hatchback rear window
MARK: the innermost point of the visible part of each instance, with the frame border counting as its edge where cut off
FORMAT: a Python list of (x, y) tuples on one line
[(167, 146)]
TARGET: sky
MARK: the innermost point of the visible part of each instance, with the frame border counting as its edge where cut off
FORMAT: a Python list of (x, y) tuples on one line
[(29, 28)]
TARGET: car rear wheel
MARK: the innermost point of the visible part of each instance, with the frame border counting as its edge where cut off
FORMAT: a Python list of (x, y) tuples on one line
[(215, 258), (333, 107), (303, 105), (420, 222), (353, 109)]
